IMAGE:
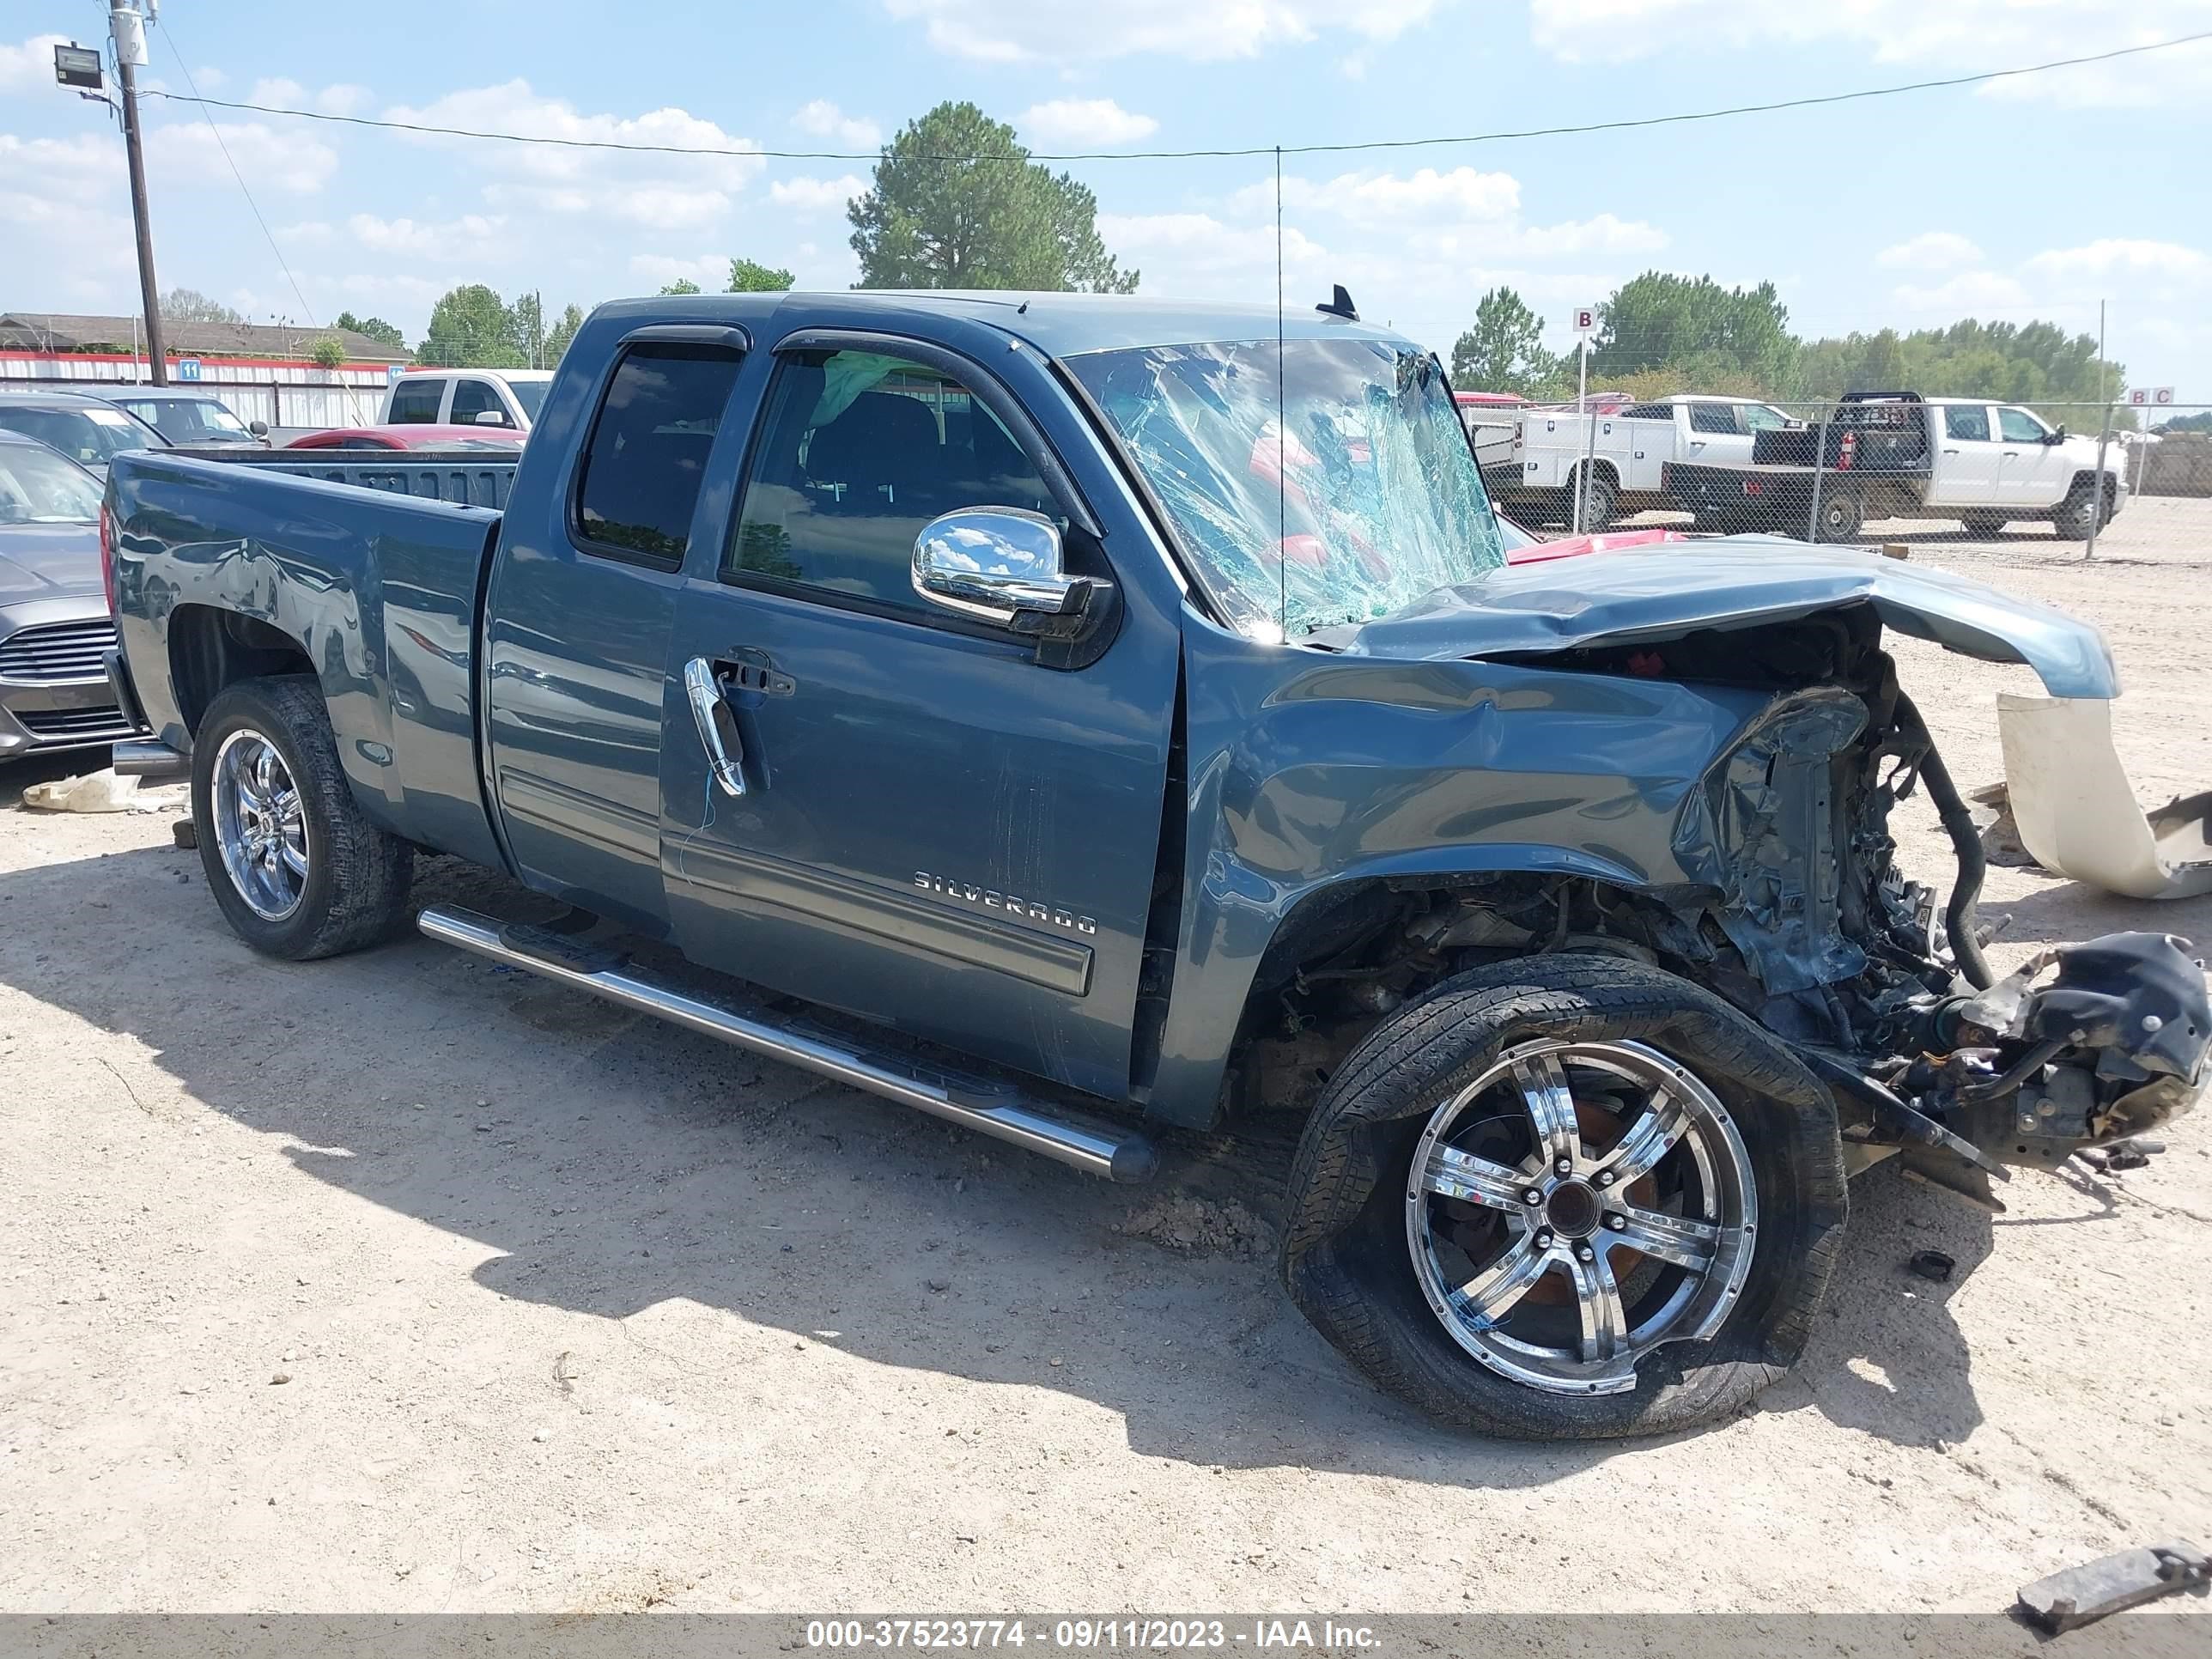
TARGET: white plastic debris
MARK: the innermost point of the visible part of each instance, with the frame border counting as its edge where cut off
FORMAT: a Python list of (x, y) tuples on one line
[(2076, 811)]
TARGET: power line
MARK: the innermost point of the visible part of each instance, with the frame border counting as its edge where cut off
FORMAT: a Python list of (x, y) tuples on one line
[(170, 37), (1812, 102)]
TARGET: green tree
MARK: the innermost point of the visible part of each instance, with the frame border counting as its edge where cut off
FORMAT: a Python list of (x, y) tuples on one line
[(526, 328), (471, 327), (748, 277), (682, 285), (1693, 327), (330, 352), (2201, 421), (557, 341), (1504, 349), (189, 305), (375, 328), (996, 221)]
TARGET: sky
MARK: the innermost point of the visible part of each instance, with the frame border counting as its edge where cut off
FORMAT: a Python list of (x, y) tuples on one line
[(2025, 199)]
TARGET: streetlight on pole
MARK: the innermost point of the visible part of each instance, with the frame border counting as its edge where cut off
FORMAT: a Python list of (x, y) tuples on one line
[(127, 27)]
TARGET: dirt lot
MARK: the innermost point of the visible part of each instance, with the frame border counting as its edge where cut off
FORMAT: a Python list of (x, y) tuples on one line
[(403, 1282)]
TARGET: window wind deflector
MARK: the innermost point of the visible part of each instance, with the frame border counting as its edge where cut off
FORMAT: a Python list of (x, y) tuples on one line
[(729, 336)]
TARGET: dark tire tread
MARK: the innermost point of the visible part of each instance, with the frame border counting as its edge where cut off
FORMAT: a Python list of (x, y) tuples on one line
[(1352, 1279), (358, 875)]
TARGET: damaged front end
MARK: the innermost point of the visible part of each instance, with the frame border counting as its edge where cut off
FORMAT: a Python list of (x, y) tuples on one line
[(1929, 1057)]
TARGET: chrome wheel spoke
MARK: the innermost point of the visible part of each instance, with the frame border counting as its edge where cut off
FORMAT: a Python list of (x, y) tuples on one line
[(1543, 1085), (1597, 1298), (1649, 1139), (260, 825), (1683, 1240), (1454, 1174), (1490, 1296), (1572, 1215)]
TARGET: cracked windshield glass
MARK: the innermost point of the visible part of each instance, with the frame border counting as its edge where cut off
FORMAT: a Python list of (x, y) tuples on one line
[(1362, 499)]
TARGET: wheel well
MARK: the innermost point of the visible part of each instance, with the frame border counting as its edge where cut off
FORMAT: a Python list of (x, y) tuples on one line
[(2082, 482), (1599, 468), (210, 650), (1345, 957)]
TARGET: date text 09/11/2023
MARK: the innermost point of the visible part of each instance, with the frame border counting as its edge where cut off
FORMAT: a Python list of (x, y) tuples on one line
[(1092, 1635)]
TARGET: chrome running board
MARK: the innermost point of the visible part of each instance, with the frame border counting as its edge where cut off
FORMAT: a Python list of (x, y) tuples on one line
[(995, 1109)]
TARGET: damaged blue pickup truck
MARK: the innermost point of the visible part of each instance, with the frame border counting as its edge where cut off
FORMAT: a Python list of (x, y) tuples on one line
[(1086, 719)]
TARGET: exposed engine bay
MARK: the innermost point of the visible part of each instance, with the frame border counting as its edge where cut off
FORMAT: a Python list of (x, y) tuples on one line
[(1798, 914)]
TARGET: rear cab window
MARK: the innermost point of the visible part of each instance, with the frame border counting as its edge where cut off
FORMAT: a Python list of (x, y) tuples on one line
[(475, 397), (415, 403), (1966, 423), (646, 459)]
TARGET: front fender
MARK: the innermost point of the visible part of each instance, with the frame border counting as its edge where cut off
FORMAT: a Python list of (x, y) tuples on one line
[(1436, 767)]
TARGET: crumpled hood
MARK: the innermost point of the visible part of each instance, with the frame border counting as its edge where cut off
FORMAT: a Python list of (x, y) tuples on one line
[(48, 561), (1662, 592)]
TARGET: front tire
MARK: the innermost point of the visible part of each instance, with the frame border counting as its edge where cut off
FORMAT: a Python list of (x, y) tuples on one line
[(1662, 1298), (2078, 515), (297, 869), (1984, 526)]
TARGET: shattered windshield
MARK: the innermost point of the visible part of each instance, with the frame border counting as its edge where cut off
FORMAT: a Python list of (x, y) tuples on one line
[(1362, 499)]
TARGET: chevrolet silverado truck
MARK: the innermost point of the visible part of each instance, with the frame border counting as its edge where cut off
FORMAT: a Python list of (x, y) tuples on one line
[(1898, 455), (1088, 720)]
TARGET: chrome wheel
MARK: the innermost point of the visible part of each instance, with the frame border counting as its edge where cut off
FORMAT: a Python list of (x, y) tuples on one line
[(259, 825), (1574, 1207)]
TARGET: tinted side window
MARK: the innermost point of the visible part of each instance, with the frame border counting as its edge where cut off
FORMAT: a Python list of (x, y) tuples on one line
[(475, 397), (647, 452), (2017, 425), (857, 452), (1713, 417), (1969, 422), (415, 401)]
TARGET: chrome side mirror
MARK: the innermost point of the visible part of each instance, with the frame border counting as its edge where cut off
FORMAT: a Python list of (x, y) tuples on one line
[(1002, 564)]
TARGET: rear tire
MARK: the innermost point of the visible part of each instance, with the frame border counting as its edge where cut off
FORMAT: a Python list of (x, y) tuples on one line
[(1984, 526), (1350, 1261), (1602, 502), (297, 869), (1841, 517)]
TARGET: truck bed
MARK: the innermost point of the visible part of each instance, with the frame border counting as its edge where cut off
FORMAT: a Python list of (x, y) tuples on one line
[(466, 477), (379, 587)]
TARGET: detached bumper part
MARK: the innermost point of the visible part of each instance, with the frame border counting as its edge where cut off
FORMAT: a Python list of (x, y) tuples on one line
[(2082, 1595), (2076, 810)]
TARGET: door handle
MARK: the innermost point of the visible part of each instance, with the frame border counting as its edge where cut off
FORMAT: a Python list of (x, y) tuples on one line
[(1950, 451), (718, 726), (2010, 454)]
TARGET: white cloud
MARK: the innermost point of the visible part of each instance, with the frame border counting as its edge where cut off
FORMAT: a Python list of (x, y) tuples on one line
[(513, 107), (472, 232), (341, 99), (31, 65), (1933, 250), (806, 195), (1966, 294), (2121, 257), (1083, 123), (825, 120), (207, 78), (1197, 255), (710, 270), (1012, 31), (1968, 35), (1606, 233), (189, 154), (309, 232), (1371, 198)]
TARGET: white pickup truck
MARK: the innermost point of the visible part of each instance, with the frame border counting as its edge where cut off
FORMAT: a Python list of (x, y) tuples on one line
[(1628, 450), (506, 397), (1897, 455)]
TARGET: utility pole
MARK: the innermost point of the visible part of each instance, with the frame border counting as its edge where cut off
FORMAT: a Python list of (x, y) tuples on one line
[(128, 28)]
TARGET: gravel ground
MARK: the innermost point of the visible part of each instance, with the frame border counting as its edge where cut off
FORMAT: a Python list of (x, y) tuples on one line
[(406, 1283)]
